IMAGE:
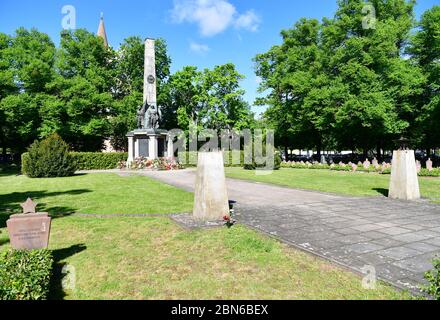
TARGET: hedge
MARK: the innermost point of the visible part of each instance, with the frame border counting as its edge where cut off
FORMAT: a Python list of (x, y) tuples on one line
[(25, 274), (87, 160), (186, 157), (98, 160), (191, 156)]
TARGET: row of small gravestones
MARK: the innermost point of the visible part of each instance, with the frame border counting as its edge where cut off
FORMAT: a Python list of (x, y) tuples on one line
[(366, 164), (30, 229)]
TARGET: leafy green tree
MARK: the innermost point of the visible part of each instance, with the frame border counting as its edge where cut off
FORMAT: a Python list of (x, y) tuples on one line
[(84, 89), (299, 89), (382, 86), (343, 83), (209, 99), (425, 50), (26, 67)]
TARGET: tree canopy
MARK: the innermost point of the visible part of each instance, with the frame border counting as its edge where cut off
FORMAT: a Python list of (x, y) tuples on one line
[(353, 81), (87, 92)]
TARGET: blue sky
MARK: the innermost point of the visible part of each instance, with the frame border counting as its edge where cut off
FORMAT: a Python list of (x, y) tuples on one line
[(203, 33)]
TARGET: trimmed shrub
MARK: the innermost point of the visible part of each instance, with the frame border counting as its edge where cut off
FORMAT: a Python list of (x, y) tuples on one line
[(98, 160), (25, 274), (48, 158), (435, 172), (433, 277)]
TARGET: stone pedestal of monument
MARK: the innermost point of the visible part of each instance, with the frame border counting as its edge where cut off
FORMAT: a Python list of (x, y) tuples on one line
[(404, 183), (148, 143), (210, 197)]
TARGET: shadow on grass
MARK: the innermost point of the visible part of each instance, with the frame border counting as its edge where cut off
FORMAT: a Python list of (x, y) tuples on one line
[(4, 241), (10, 203), (9, 171), (382, 191), (60, 270)]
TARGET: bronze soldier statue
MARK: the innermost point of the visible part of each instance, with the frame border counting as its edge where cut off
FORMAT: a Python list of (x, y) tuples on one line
[(148, 117)]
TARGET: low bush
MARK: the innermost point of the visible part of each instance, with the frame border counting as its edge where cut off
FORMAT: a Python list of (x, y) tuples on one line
[(435, 172), (277, 163), (433, 277), (98, 160), (25, 274), (48, 158)]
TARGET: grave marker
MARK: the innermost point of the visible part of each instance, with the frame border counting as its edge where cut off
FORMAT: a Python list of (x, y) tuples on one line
[(30, 229)]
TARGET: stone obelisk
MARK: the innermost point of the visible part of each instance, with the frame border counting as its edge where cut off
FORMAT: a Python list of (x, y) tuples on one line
[(210, 194), (150, 73), (149, 140), (404, 184)]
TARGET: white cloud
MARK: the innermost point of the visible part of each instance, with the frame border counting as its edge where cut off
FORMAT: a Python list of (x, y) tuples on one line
[(198, 48), (213, 16), (249, 21)]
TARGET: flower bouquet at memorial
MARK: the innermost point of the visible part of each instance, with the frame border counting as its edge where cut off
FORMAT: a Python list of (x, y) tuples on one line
[(228, 219)]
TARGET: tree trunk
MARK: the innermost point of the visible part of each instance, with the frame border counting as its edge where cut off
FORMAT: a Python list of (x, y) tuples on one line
[(379, 154)]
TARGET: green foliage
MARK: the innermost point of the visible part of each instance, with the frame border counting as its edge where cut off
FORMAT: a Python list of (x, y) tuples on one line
[(433, 277), (425, 50), (209, 99), (86, 160), (256, 164), (189, 159), (97, 160), (339, 85), (48, 158), (25, 274), (435, 172)]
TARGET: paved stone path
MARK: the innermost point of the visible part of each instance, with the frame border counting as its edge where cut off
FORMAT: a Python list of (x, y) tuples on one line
[(397, 238)]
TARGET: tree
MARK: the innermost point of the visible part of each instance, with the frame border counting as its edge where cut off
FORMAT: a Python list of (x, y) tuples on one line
[(26, 67), (425, 51), (209, 99), (299, 98), (382, 86), (343, 83), (84, 89)]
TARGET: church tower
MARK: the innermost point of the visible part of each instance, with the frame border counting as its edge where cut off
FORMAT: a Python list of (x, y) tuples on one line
[(101, 31)]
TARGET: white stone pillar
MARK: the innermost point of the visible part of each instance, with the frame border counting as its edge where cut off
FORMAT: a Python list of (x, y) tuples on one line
[(404, 183), (136, 148), (210, 195), (130, 151), (152, 148), (170, 147)]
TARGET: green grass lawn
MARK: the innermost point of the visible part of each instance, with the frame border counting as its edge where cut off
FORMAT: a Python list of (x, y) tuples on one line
[(105, 193), (154, 258), (348, 183)]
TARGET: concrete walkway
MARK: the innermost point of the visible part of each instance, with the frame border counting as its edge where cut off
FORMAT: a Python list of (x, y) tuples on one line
[(397, 238)]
